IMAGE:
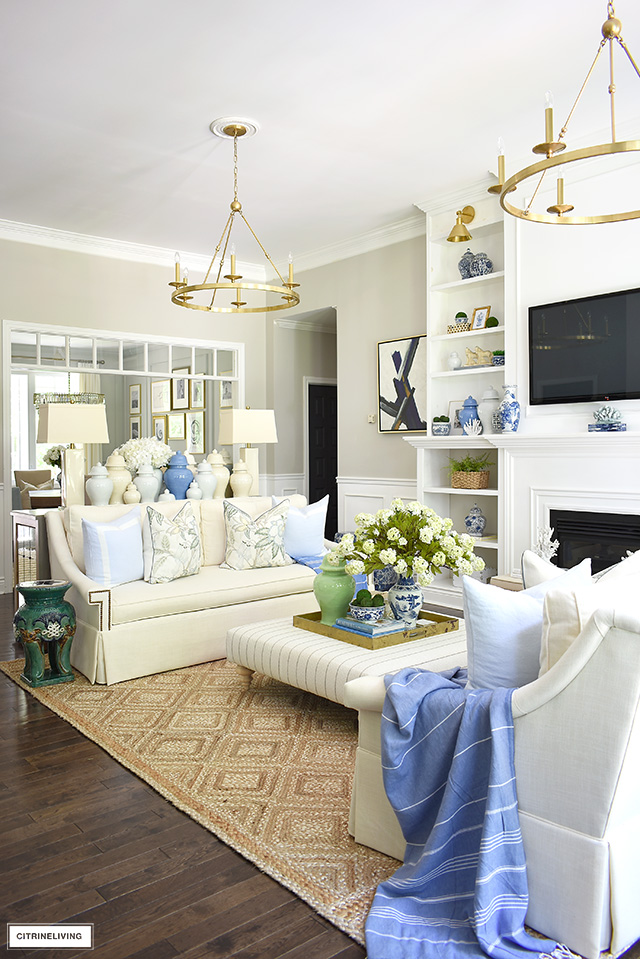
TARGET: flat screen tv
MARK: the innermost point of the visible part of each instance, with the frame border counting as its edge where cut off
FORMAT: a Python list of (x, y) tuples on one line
[(586, 349)]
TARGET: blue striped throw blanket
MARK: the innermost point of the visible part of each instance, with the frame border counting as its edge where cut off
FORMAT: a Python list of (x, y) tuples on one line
[(447, 755)]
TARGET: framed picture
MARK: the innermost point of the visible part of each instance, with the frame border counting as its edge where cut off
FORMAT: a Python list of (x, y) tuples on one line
[(134, 397), (197, 395), (454, 409), (180, 389), (160, 396), (402, 385), (159, 424), (226, 393), (175, 426), (195, 432), (135, 431), (480, 317)]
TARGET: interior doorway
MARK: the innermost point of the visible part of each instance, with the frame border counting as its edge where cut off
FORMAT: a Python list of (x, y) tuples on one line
[(322, 448)]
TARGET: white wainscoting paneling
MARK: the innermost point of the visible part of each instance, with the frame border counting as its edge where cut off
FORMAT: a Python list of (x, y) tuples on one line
[(365, 494), (281, 484)]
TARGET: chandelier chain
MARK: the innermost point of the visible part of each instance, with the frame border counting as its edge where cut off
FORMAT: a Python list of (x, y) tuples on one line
[(235, 167)]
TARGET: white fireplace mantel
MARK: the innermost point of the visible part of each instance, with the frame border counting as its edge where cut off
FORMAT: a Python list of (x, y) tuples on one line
[(598, 472)]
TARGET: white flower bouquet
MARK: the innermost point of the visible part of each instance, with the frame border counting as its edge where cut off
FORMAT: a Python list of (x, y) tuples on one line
[(145, 449), (410, 537), (53, 456)]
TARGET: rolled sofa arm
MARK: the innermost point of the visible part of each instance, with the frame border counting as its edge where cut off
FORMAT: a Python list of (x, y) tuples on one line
[(91, 601)]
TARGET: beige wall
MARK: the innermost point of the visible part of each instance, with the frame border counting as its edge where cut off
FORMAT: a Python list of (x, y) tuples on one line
[(377, 296), (43, 285), (293, 355)]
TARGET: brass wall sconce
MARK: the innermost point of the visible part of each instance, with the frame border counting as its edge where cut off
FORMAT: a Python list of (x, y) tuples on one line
[(459, 233)]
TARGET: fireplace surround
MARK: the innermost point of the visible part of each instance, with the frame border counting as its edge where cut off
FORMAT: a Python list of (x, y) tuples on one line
[(602, 537)]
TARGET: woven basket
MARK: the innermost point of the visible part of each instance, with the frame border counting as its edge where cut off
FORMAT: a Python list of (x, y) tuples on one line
[(462, 480)]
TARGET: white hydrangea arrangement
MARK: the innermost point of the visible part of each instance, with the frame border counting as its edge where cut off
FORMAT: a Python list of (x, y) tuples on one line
[(145, 449), (53, 456), (410, 537)]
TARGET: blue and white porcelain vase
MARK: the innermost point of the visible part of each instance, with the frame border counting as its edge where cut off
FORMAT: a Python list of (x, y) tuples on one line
[(384, 579), (469, 412), (405, 600), (480, 265), (178, 477), (464, 265), (509, 410), (475, 521)]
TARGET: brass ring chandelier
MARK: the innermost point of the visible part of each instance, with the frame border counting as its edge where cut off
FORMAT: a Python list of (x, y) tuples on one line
[(204, 296), (553, 149)]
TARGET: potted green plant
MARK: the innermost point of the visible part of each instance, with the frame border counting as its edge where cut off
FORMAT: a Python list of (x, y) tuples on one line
[(460, 323), (497, 358), (491, 322), (441, 426), (470, 472)]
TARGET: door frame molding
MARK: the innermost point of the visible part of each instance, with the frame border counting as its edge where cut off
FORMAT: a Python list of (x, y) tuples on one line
[(308, 381)]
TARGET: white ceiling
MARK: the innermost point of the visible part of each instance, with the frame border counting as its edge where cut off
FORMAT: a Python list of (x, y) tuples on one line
[(365, 108)]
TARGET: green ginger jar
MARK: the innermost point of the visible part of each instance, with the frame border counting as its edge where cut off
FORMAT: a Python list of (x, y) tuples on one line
[(334, 589), (45, 623)]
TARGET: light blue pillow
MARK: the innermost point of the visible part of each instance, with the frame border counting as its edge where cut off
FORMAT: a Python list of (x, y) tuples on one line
[(113, 551), (304, 529), (504, 628)]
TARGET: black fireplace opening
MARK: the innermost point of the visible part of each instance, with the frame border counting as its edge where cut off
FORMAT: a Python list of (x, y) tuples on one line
[(602, 537)]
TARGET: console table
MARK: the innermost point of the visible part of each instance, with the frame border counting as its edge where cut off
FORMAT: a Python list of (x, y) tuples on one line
[(30, 549)]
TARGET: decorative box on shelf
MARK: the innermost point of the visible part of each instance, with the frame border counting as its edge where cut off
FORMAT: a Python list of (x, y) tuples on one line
[(459, 327), (607, 427), (429, 624)]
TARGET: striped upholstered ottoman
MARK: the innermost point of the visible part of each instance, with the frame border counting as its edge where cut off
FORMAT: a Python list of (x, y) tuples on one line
[(322, 665)]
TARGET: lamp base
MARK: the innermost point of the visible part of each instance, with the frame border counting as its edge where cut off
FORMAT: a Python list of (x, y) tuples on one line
[(73, 476), (249, 454)]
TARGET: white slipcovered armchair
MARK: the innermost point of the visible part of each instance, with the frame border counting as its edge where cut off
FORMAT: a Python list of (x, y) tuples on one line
[(577, 758)]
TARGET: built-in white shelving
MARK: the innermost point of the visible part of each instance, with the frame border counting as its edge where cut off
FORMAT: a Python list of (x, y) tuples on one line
[(448, 294)]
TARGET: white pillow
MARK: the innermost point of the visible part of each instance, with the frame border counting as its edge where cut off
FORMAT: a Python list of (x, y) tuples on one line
[(566, 613), (304, 529), (255, 544), (171, 546), (113, 551), (504, 629), (536, 570)]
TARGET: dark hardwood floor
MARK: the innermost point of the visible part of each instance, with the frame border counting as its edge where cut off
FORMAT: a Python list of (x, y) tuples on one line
[(84, 840)]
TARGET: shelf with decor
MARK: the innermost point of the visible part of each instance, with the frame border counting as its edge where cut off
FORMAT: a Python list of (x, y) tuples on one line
[(448, 296)]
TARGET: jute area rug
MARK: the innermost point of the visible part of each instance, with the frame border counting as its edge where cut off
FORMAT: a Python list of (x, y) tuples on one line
[(268, 770)]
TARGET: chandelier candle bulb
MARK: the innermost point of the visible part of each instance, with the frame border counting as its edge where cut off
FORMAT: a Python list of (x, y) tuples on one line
[(177, 259)]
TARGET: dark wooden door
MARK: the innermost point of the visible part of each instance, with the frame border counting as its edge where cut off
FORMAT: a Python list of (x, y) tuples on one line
[(323, 450)]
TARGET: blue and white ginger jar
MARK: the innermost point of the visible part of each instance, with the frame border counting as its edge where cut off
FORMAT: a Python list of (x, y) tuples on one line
[(464, 265), (405, 600), (481, 265), (475, 521), (509, 410), (178, 477)]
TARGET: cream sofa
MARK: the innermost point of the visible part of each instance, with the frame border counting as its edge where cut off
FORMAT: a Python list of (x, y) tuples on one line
[(140, 628), (577, 752)]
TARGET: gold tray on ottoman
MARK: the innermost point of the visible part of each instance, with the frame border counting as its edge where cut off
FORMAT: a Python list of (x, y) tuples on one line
[(429, 624)]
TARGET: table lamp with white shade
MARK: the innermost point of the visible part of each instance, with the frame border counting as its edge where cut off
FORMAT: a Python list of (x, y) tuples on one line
[(73, 419), (248, 427)]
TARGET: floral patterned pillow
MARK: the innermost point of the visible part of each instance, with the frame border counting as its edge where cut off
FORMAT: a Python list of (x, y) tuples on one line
[(171, 546), (255, 543)]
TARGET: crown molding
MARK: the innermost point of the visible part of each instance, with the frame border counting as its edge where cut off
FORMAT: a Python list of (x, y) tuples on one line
[(318, 326), (114, 249), (441, 202), (407, 229)]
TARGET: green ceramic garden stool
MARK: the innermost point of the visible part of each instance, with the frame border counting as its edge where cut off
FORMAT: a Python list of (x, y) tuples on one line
[(45, 624)]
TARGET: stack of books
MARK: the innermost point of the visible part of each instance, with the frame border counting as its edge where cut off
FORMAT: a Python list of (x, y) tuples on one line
[(382, 628)]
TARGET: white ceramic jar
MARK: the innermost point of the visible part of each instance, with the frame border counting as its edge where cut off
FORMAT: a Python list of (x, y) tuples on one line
[(120, 475), (221, 473), (99, 486), (146, 483), (206, 479), (487, 407), (241, 479)]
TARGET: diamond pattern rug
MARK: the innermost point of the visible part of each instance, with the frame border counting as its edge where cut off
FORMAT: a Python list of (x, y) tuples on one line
[(268, 770)]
